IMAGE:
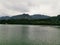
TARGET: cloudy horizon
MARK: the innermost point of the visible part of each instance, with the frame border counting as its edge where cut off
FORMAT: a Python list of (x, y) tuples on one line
[(14, 7)]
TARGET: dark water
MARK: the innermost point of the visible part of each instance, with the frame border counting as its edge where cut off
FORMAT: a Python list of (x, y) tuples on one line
[(29, 35)]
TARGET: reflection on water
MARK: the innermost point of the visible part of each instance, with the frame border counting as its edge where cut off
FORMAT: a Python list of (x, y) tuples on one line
[(29, 35)]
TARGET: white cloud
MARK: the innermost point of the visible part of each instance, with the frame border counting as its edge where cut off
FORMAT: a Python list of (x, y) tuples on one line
[(13, 7)]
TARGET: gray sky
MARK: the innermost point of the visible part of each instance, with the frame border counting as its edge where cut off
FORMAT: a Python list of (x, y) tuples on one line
[(13, 7)]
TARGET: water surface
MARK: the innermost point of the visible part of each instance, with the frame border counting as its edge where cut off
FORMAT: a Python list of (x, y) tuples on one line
[(29, 35)]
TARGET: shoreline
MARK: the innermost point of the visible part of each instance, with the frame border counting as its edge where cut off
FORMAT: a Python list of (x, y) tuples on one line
[(33, 24)]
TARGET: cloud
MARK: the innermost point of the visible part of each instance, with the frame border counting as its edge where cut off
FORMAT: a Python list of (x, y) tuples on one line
[(13, 7), (56, 7), (21, 7)]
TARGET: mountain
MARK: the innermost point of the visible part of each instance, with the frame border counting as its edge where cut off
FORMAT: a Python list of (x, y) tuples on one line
[(39, 16), (25, 16), (31, 19), (22, 16), (4, 18)]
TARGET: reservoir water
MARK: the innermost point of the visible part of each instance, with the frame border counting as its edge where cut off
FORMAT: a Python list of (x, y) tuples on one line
[(29, 35)]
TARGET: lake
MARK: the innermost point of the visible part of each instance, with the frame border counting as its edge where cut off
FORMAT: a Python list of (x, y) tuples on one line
[(29, 35)]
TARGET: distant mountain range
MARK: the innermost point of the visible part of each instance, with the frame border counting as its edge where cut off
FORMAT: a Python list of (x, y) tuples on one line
[(25, 16), (4, 17), (36, 19)]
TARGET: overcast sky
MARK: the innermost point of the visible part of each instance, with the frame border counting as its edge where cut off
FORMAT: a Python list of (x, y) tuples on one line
[(14, 7)]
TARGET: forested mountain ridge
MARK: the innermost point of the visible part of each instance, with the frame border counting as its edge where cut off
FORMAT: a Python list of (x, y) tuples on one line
[(26, 16), (36, 19)]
